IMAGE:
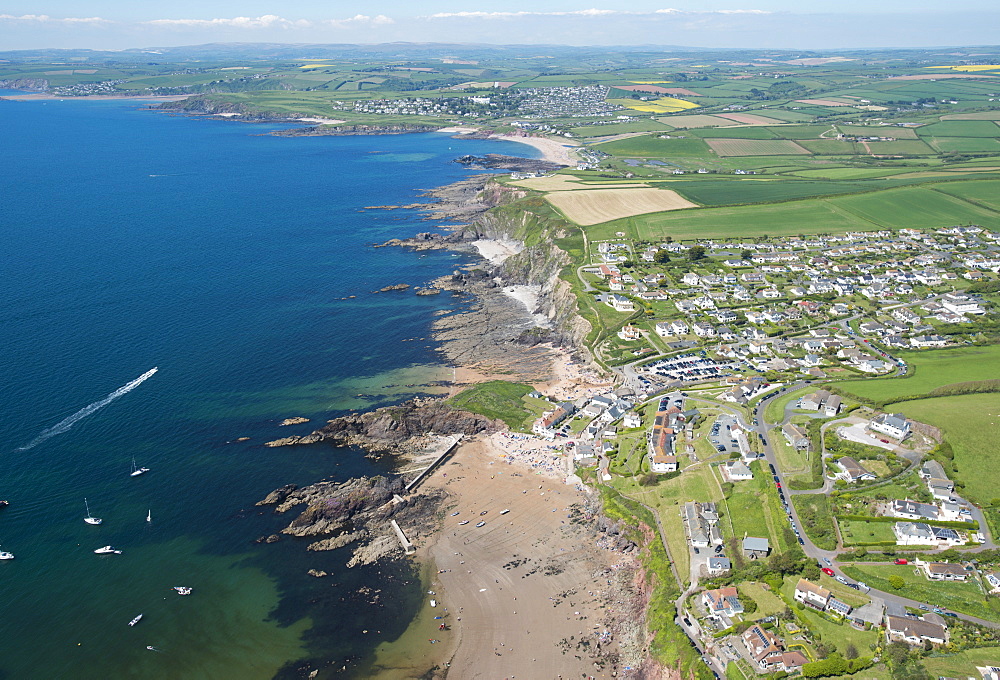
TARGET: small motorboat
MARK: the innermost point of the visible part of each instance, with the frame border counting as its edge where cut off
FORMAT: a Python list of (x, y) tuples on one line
[(135, 620), (434, 603), (454, 514), (4, 555), (481, 524), (463, 522), (183, 590), (483, 513), (505, 511), (4, 504), (107, 550)]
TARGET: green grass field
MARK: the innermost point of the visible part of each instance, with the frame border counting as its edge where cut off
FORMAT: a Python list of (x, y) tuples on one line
[(986, 192), (767, 602), (960, 597), (969, 422), (651, 146), (496, 399), (892, 208), (619, 128), (960, 128), (754, 132), (719, 192), (928, 370), (965, 144)]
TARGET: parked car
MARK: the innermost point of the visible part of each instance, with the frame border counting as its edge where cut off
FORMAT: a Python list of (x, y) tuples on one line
[(900, 560), (924, 607), (951, 614), (828, 562), (827, 570)]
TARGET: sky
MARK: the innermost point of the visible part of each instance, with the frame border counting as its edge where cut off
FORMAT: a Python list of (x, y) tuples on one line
[(794, 24)]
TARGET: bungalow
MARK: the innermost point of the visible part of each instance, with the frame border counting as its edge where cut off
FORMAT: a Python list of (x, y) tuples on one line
[(914, 631), (790, 662), (811, 595), (852, 471), (894, 425), (932, 469), (912, 533), (919, 512), (796, 436), (941, 489), (838, 608), (722, 601), (737, 471), (993, 579), (923, 341), (944, 571)]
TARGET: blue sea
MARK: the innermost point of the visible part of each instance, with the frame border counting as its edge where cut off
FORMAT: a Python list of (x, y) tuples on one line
[(227, 259)]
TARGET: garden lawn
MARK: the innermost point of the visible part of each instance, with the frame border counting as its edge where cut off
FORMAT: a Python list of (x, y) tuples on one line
[(961, 665), (960, 597), (767, 602), (860, 533), (839, 634)]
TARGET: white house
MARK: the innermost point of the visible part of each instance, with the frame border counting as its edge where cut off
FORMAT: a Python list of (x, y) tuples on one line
[(914, 631), (811, 595), (737, 471), (894, 425)]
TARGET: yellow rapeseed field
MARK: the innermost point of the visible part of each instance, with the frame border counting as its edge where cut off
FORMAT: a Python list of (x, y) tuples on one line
[(661, 105)]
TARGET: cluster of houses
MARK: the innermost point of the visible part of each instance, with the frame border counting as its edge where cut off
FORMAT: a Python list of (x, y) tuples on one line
[(670, 421), (773, 286)]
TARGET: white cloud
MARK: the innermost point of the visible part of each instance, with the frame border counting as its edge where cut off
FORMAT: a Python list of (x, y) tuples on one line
[(262, 22), (45, 19), (584, 13), (378, 20)]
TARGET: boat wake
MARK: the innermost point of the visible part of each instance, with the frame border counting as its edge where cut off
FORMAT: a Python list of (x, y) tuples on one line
[(65, 424)]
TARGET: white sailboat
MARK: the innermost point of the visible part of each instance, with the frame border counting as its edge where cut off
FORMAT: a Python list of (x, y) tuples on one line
[(149, 515), (136, 471), (88, 519), (108, 550)]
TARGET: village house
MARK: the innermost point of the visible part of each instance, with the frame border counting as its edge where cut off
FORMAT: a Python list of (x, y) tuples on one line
[(944, 571), (737, 471), (852, 471), (811, 595), (663, 464), (918, 512), (796, 436), (630, 332), (893, 425), (545, 426), (762, 646), (722, 601), (668, 328), (700, 521), (620, 303), (914, 631), (718, 565)]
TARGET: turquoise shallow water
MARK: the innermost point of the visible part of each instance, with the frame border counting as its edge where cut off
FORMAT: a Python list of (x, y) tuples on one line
[(134, 239)]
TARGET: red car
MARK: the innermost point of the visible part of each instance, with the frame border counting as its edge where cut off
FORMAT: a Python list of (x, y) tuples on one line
[(827, 571), (900, 561)]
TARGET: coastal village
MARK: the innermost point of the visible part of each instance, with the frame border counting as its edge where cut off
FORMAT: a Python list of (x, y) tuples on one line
[(780, 494)]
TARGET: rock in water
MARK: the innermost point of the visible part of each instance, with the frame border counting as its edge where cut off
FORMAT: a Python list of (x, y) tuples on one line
[(293, 421)]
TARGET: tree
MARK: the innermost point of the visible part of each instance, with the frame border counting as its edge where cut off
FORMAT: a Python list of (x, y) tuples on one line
[(746, 254), (851, 652), (661, 256), (896, 582), (696, 253)]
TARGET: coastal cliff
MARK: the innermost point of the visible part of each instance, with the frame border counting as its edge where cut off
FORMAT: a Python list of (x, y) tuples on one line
[(28, 84)]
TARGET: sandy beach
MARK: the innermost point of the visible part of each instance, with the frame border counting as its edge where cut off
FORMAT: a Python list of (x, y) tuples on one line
[(552, 150)]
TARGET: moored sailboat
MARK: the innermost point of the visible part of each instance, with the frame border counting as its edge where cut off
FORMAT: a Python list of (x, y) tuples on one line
[(88, 519)]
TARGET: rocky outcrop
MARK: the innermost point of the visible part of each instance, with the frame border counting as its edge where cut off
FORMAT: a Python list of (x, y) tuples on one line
[(391, 427), (495, 161), (356, 511), (297, 420), (396, 286), (293, 440)]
